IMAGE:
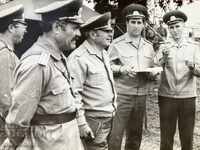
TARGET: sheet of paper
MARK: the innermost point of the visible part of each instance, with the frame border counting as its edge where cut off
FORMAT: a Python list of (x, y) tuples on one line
[(154, 69)]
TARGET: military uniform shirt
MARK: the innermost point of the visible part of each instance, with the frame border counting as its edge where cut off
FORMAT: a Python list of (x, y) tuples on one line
[(49, 93), (8, 62), (123, 52), (43, 87), (177, 80), (93, 80)]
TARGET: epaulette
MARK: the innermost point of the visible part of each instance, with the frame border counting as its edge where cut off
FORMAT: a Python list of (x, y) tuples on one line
[(79, 51), (44, 59), (119, 39), (166, 42), (2, 45), (165, 45), (193, 42), (148, 41)]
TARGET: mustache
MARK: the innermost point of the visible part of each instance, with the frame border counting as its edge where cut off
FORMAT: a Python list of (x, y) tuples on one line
[(75, 38)]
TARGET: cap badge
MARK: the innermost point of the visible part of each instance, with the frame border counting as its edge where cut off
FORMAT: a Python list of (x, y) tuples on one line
[(136, 13), (172, 18), (73, 17)]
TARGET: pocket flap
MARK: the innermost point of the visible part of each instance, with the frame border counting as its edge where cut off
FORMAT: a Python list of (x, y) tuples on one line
[(58, 91)]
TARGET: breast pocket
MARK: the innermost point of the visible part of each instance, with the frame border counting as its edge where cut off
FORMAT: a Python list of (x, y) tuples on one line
[(58, 91), (128, 59), (59, 86), (97, 77), (147, 61), (60, 98), (169, 60)]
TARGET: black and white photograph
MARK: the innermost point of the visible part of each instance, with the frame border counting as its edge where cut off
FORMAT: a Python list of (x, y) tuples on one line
[(99, 74)]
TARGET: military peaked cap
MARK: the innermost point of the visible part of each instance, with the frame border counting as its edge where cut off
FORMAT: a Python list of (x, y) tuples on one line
[(135, 11), (67, 10), (12, 14), (174, 17), (98, 22)]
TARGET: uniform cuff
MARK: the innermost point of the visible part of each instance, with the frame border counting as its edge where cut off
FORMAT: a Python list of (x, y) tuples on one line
[(81, 120)]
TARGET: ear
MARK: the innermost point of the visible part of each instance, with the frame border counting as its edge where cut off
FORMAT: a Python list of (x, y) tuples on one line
[(127, 20), (145, 24), (92, 34), (11, 28), (183, 24), (56, 28)]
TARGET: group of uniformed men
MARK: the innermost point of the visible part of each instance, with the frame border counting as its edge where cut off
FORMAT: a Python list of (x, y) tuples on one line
[(50, 101)]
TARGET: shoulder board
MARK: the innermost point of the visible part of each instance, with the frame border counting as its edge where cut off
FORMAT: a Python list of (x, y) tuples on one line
[(79, 51), (2, 45), (148, 41), (44, 59), (119, 39), (165, 42), (193, 42)]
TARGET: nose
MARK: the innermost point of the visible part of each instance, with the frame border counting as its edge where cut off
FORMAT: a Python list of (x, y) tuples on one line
[(77, 32), (111, 33), (25, 30), (137, 25)]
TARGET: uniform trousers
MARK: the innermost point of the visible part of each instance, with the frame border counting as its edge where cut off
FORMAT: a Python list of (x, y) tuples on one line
[(173, 110), (129, 117), (101, 127)]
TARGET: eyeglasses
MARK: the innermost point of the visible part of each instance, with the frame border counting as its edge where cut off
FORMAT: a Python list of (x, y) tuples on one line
[(21, 25)]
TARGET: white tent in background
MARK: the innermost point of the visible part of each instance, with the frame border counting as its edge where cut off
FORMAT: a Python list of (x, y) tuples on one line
[(192, 11)]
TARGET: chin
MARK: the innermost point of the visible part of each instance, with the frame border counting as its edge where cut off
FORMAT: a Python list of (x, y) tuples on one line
[(18, 42), (72, 47)]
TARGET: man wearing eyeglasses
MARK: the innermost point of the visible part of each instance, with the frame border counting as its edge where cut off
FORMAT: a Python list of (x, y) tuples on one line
[(130, 53), (12, 30), (93, 82)]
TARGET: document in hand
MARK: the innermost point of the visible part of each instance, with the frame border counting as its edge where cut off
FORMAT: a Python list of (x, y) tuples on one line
[(154, 69)]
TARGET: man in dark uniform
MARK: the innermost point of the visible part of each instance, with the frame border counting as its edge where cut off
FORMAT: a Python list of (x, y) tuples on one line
[(180, 59), (12, 29), (93, 81), (130, 53), (43, 111)]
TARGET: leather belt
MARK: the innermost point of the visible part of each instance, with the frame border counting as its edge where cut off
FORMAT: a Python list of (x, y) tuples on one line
[(52, 119)]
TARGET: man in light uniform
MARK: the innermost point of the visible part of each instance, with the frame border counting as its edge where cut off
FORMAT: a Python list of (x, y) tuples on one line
[(12, 30), (43, 111), (180, 59), (130, 53), (93, 82)]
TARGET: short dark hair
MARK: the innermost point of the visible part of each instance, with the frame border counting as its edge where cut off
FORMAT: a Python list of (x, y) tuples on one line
[(3, 27), (46, 26), (143, 19)]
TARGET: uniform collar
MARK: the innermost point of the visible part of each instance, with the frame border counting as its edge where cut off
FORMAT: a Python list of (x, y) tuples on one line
[(50, 46), (129, 40), (92, 50), (183, 42), (7, 43)]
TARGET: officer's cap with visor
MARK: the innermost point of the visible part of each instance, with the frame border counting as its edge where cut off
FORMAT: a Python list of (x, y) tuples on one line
[(135, 11), (66, 10), (174, 17), (12, 14), (98, 22)]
